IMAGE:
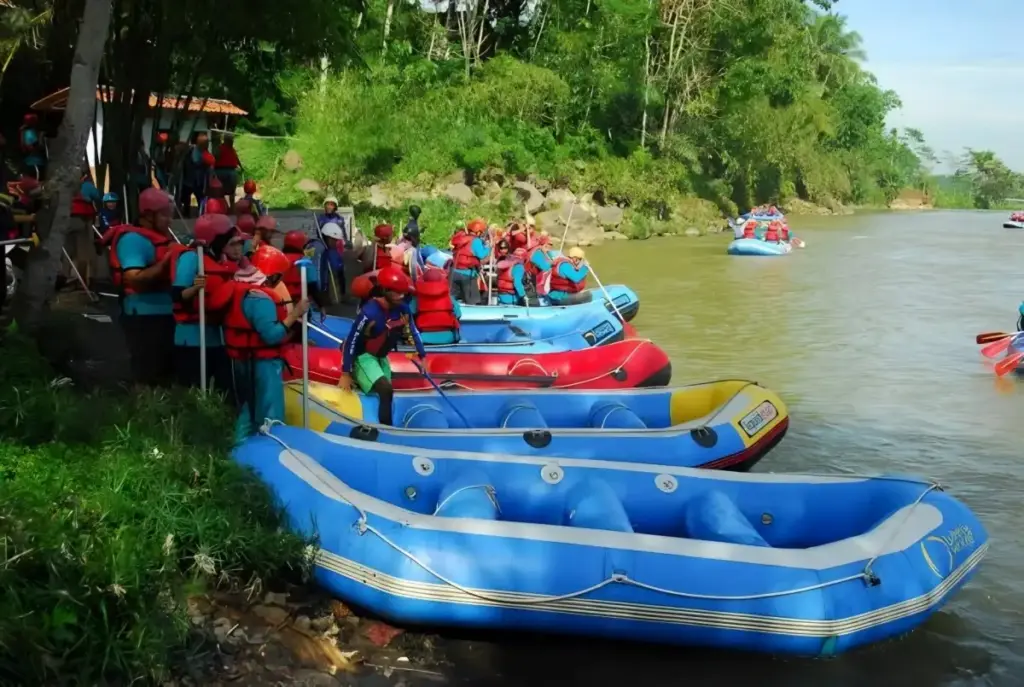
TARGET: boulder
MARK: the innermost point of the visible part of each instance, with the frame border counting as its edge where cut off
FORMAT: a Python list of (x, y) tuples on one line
[(583, 230), (609, 215), (460, 193), (292, 161), (489, 174), (491, 190), (559, 196), (543, 185), (379, 197), (307, 186), (457, 176), (692, 232), (530, 196)]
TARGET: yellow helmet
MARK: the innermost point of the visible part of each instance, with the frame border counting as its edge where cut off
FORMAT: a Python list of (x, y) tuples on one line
[(576, 253)]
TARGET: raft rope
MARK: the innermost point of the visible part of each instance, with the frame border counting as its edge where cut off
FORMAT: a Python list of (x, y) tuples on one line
[(363, 526), (531, 361), (491, 492)]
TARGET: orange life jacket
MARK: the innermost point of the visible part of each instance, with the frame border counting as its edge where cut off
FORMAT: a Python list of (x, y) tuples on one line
[(560, 283), (506, 284), (217, 274), (462, 251), (241, 340), (435, 311), (163, 245), (293, 277)]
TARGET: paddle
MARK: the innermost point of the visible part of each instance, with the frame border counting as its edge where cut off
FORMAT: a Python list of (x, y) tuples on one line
[(1009, 363), (998, 347), (989, 337), (443, 395)]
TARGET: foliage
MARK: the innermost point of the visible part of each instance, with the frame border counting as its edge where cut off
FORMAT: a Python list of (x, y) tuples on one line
[(112, 509), (991, 181)]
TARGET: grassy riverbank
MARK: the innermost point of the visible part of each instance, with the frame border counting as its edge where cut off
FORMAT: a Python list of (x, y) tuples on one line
[(114, 508)]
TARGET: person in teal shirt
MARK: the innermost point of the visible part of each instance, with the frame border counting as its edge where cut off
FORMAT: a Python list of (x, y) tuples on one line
[(140, 262), (218, 238), (469, 250), (569, 278), (254, 333), (512, 279)]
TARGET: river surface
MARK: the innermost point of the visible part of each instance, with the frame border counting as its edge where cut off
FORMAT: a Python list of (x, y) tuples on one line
[(868, 335)]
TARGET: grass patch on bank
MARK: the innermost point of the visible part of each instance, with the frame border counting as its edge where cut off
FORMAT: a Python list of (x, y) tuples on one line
[(113, 508)]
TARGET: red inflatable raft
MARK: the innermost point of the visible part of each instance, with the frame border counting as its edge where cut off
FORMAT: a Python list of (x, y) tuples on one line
[(620, 365)]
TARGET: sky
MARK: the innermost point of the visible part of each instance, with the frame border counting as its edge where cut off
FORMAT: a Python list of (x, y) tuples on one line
[(957, 66)]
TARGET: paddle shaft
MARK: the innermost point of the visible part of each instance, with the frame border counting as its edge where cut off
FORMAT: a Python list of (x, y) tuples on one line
[(305, 351), (202, 323), (443, 395)]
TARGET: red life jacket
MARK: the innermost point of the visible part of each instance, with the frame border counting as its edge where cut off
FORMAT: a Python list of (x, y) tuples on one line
[(383, 256), (163, 245), (541, 279), (80, 207), (748, 232), (462, 251), (217, 274), (227, 158), (560, 283), (506, 284), (215, 206), (241, 340), (771, 234), (382, 343), (293, 277), (784, 232), (435, 311)]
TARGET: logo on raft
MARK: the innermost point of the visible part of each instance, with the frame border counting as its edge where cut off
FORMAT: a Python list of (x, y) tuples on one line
[(757, 419), (940, 551)]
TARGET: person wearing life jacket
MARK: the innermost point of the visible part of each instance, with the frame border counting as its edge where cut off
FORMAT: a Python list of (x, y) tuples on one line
[(295, 243), (213, 232), (383, 234), (326, 255), (771, 234), (569, 278), (413, 256), (265, 228), (140, 261), (750, 230), (382, 324), (469, 250), (195, 172), (226, 166), (257, 322), (246, 226), (434, 311), (537, 264), (214, 202), (33, 149), (110, 212), (331, 215), (249, 188), (784, 232), (511, 284), (413, 225)]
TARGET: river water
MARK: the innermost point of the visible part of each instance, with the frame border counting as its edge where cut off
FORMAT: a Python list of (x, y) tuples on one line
[(868, 335)]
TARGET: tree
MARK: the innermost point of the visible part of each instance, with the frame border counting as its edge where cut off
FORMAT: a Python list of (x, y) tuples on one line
[(67, 154), (991, 180)]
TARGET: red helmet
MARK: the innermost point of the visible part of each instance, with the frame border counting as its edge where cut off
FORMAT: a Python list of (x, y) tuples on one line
[(154, 200), (209, 227), (434, 274), (162, 137), (270, 261), (249, 186), (384, 232), (246, 224), (477, 226), (215, 206), (294, 241), (362, 287), (30, 118), (267, 223), (391, 279)]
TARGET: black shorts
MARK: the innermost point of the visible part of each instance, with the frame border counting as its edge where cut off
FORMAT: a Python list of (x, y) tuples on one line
[(218, 369), (466, 289), (150, 340)]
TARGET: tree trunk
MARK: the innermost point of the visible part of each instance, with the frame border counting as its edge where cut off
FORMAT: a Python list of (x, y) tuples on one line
[(387, 26), (65, 172)]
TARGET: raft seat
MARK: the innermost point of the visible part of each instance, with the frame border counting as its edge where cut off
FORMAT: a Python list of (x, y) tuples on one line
[(425, 416), (520, 414), (468, 495), (593, 504), (713, 516), (604, 415)]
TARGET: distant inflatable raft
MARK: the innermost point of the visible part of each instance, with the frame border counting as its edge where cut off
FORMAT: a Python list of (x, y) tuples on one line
[(758, 247)]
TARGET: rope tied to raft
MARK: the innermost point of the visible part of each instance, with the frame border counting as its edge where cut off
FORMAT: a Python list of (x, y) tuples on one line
[(362, 525)]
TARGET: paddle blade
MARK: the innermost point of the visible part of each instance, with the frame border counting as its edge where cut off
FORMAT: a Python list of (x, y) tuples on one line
[(997, 348), (989, 337), (1009, 363)]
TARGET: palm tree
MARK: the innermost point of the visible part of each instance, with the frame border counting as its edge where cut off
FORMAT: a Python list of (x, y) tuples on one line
[(835, 50)]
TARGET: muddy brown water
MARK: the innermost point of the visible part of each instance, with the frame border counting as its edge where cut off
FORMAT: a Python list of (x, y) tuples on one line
[(868, 334)]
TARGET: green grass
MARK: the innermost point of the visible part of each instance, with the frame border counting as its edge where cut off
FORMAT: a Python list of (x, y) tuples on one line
[(113, 508)]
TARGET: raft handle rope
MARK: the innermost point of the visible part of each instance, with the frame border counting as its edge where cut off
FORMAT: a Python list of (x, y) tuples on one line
[(363, 526), (491, 492), (583, 381)]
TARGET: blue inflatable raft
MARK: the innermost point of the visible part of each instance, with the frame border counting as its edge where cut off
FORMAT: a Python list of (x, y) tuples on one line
[(758, 247), (624, 298), (729, 424), (784, 564), (578, 330)]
